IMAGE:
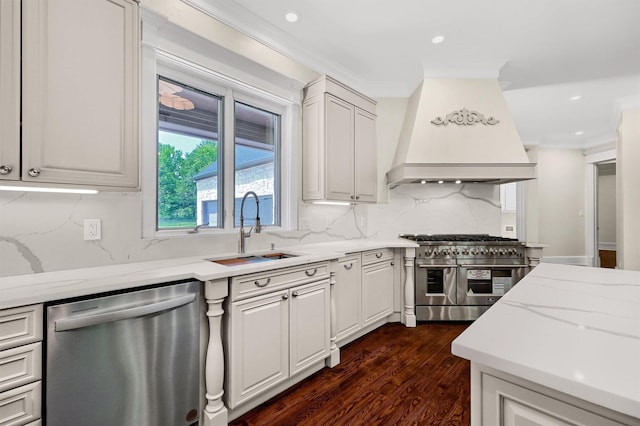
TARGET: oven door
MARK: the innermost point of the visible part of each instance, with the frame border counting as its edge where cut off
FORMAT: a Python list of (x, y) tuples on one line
[(435, 284), (485, 284)]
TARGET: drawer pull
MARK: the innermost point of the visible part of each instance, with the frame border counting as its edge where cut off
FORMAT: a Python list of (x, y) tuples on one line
[(349, 266), (259, 284), (311, 273), (378, 255)]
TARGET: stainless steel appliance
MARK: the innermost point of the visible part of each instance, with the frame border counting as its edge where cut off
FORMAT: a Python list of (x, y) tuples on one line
[(125, 359), (459, 276)]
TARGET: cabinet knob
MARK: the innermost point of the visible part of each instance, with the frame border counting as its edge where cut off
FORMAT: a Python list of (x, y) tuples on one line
[(285, 296), (353, 197), (5, 170), (294, 294), (357, 197), (34, 172), (392, 263)]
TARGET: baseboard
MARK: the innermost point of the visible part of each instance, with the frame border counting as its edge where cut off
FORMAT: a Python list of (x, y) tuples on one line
[(607, 246), (568, 260)]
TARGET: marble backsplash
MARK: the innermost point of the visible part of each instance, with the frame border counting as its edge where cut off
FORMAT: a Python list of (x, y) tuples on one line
[(44, 232)]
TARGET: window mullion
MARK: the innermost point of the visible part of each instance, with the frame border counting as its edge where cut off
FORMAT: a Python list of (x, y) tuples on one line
[(229, 161)]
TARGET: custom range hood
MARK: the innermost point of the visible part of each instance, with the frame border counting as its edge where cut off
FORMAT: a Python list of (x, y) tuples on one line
[(459, 130)]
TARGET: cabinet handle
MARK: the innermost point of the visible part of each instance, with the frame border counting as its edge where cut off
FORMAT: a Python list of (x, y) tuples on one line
[(312, 273), (285, 296), (259, 284), (294, 294), (5, 170), (349, 266), (378, 255), (34, 172)]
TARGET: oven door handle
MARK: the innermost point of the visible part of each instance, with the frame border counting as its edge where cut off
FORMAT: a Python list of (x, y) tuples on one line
[(492, 266), (436, 266)]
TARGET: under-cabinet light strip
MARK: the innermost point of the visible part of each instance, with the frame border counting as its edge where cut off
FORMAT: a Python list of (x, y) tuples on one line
[(41, 189)]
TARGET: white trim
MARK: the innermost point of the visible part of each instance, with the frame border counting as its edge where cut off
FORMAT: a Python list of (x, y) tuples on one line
[(591, 200), (607, 246), (521, 212), (568, 260)]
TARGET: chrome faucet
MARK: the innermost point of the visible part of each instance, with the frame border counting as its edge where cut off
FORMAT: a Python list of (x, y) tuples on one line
[(243, 234)]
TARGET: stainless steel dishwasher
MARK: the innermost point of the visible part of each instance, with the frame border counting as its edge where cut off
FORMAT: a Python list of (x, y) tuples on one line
[(128, 359)]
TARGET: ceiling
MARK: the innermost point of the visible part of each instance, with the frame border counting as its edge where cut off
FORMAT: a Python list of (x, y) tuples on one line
[(543, 52)]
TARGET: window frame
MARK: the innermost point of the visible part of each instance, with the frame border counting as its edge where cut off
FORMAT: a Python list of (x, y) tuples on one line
[(160, 63)]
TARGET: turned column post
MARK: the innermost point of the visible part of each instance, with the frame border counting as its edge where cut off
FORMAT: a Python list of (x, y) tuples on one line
[(409, 288), (334, 357), (215, 412)]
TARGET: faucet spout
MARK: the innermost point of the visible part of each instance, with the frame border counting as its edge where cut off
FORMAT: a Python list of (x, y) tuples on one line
[(244, 235)]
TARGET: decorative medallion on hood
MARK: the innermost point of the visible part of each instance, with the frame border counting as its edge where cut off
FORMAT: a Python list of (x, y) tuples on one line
[(464, 117)]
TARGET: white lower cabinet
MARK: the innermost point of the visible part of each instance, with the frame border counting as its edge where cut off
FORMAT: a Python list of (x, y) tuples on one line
[(509, 404), (377, 285), (21, 365), (275, 336), (348, 296)]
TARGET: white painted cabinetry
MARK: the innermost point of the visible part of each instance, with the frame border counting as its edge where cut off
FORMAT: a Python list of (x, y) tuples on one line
[(79, 79), (20, 365), (377, 285), (348, 296), (339, 143), (510, 401), (278, 326)]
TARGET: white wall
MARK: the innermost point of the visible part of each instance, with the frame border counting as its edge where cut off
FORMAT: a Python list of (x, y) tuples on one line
[(556, 202), (607, 209), (628, 191)]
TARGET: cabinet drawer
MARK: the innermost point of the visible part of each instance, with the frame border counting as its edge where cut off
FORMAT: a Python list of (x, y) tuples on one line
[(265, 282), (19, 326), (372, 256), (21, 405), (21, 365)]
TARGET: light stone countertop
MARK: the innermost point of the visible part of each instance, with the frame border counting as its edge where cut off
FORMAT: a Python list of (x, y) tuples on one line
[(571, 328), (29, 289)]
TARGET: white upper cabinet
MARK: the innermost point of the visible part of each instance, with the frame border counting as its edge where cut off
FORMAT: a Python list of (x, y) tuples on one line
[(80, 92), (10, 89), (339, 144)]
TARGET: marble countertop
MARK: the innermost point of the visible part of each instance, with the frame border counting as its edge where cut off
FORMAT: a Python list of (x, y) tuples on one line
[(570, 328), (29, 289)]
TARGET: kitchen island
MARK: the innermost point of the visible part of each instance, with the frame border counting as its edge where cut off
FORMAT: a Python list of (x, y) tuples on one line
[(562, 347)]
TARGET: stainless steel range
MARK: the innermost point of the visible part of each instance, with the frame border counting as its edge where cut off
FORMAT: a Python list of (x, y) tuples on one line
[(460, 276)]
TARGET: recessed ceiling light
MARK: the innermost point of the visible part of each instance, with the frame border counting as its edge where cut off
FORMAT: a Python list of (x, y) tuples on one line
[(579, 133), (575, 98), (458, 182), (423, 182), (437, 39), (291, 17), (440, 182)]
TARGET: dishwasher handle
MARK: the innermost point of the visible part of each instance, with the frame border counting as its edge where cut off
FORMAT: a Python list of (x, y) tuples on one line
[(66, 324)]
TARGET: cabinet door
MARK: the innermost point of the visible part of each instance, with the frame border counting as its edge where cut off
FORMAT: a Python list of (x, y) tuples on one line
[(366, 165), (339, 135), (80, 92), (348, 296), (508, 404), (10, 89), (309, 325), (377, 291), (259, 346)]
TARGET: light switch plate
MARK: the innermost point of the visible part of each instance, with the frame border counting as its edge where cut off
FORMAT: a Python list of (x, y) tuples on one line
[(92, 229)]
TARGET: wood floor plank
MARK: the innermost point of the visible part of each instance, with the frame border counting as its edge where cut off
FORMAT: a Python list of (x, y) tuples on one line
[(392, 376)]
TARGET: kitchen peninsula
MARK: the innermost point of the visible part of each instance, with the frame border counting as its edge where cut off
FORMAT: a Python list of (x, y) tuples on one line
[(561, 348)]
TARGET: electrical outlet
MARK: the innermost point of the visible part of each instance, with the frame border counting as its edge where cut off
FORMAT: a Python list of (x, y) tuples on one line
[(92, 229)]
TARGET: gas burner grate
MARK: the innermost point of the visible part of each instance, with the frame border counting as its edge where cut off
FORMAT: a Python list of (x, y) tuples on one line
[(454, 237)]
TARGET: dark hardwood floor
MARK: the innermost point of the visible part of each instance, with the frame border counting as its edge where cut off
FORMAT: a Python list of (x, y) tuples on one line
[(392, 376)]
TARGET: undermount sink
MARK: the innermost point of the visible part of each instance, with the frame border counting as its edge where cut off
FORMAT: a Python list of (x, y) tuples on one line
[(249, 260)]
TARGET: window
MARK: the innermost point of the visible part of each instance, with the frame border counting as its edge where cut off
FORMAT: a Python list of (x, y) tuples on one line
[(192, 145)]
